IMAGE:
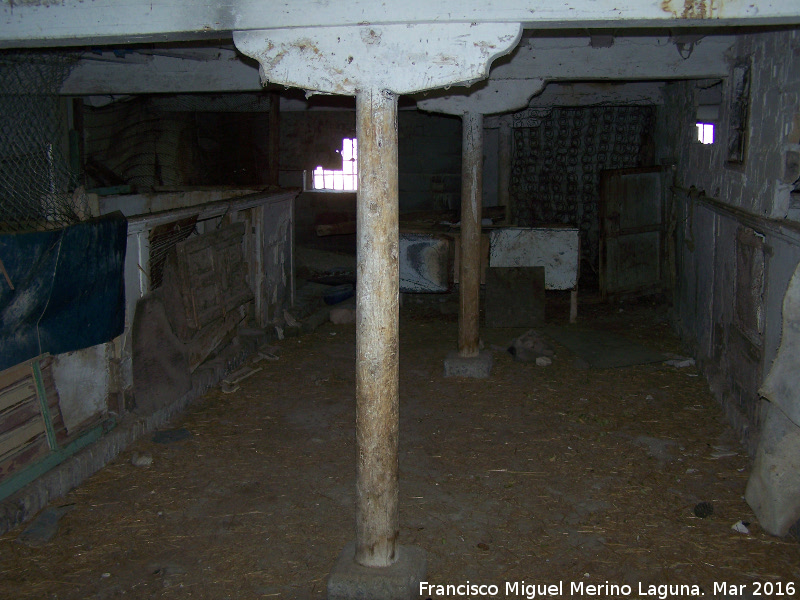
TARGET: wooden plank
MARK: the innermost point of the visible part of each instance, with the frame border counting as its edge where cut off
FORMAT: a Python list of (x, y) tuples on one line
[(23, 458), (36, 468), (13, 440), (42, 397), (185, 284), (213, 275), (17, 394), (208, 338), (53, 403), (18, 415), (14, 374)]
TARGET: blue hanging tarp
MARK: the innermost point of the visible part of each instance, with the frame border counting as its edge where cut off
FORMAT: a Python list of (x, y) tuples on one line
[(68, 289)]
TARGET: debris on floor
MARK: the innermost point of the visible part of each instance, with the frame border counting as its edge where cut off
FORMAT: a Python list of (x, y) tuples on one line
[(44, 527), (289, 319), (228, 388), (656, 448), (703, 510), (270, 353), (722, 452), (741, 527), (142, 459), (680, 362), (241, 374), (170, 436), (530, 347), (343, 316)]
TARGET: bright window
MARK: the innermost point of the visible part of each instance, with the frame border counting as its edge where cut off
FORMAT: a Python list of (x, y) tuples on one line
[(705, 133), (345, 180)]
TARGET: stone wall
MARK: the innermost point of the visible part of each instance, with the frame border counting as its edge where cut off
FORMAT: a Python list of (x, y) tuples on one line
[(736, 242)]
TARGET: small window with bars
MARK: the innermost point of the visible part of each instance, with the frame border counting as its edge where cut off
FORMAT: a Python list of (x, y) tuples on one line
[(705, 133), (345, 180)]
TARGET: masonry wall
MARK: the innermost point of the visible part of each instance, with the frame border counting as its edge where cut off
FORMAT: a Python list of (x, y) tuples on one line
[(736, 237)]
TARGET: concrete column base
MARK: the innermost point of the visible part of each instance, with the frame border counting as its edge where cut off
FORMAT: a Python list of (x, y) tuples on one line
[(350, 581), (475, 366)]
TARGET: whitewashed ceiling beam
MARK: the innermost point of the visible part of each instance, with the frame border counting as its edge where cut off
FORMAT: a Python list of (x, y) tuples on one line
[(80, 22)]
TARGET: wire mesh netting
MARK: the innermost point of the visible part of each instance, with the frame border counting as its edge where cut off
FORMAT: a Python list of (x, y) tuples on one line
[(35, 176)]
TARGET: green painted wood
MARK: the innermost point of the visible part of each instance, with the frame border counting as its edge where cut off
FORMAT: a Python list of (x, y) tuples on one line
[(16, 482), (44, 406)]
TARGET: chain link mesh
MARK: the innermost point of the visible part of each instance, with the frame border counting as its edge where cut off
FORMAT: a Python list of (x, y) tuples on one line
[(35, 177)]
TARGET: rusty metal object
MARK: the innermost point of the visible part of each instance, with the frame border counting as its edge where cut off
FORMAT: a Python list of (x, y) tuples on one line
[(377, 325), (471, 197)]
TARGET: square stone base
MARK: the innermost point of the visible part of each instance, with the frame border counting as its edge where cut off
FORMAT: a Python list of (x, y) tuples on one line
[(475, 366), (350, 581)]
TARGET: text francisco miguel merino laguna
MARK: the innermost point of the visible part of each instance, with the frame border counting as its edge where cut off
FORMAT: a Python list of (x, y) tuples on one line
[(530, 591)]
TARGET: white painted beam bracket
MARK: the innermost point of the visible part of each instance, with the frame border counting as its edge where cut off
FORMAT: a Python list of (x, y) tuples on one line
[(400, 58)]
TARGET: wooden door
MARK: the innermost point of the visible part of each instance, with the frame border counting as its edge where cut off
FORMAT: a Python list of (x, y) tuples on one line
[(632, 210)]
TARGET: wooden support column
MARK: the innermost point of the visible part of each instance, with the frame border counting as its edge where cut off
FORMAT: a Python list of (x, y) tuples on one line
[(376, 64), (497, 96), (470, 266), (504, 166), (377, 327)]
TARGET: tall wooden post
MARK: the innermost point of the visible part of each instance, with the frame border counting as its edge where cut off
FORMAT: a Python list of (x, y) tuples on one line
[(470, 266), (376, 63), (377, 329)]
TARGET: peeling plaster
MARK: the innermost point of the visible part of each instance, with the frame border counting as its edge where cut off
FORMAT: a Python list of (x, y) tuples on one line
[(692, 9)]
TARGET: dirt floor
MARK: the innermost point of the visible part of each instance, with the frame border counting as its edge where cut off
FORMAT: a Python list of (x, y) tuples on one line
[(538, 474)]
